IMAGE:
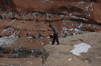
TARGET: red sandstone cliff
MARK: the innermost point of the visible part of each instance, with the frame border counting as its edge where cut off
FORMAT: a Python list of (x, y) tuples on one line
[(89, 9), (86, 12)]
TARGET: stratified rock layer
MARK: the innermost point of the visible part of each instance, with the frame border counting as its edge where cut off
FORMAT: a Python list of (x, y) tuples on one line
[(80, 14), (89, 9)]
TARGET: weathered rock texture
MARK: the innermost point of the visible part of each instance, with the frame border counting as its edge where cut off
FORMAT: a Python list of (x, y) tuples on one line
[(31, 18), (59, 55), (89, 9), (77, 14)]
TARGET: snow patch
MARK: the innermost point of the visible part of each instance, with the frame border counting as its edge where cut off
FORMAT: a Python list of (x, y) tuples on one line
[(98, 20), (87, 7), (50, 42), (32, 51), (89, 25), (42, 43), (30, 63), (80, 25), (81, 2), (69, 59), (8, 29), (89, 14), (51, 1), (64, 12), (64, 28), (92, 9), (48, 37), (3, 64), (7, 40), (70, 29), (29, 37), (11, 65), (80, 17), (44, 1), (84, 18), (86, 61), (70, 14), (12, 22), (61, 16), (79, 48)]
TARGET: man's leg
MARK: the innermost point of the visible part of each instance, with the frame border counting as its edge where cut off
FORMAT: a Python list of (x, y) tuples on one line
[(53, 39), (57, 39)]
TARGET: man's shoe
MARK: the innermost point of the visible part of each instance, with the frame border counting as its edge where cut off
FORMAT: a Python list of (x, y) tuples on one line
[(52, 44), (57, 44)]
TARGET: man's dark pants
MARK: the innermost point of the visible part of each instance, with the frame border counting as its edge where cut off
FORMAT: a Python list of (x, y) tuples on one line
[(55, 37)]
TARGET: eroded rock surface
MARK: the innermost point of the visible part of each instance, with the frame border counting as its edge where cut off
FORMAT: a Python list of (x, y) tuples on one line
[(60, 55), (73, 17)]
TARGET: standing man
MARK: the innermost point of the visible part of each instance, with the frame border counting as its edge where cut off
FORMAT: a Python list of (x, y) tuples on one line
[(55, 34)]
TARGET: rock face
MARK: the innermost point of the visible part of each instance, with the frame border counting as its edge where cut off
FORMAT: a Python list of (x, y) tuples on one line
[(31, 5), (89, 9), (60, 55), (31, 18), (73, 16)]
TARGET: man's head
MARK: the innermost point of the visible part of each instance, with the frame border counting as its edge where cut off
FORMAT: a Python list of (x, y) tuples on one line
[(50, 26)]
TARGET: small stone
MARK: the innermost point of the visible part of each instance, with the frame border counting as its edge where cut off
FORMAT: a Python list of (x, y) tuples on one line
[(69, 59), (86, 61)]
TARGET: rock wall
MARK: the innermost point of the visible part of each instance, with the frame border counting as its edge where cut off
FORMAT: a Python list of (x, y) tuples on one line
[(72, 14), (89, 9)]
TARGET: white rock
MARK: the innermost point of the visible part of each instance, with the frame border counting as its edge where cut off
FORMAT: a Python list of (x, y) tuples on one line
[(86, 61), (69, 59)]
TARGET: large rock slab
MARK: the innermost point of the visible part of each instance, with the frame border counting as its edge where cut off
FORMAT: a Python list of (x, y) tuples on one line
[(60, 55)]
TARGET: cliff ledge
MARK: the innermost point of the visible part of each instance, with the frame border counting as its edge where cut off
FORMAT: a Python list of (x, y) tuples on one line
[(60, 55)]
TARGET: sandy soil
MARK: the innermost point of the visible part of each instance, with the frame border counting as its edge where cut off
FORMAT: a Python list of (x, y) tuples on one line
[(20, 61)]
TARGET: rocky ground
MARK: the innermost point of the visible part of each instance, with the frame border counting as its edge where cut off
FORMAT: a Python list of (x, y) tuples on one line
[(20, 62), (61, 55)]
